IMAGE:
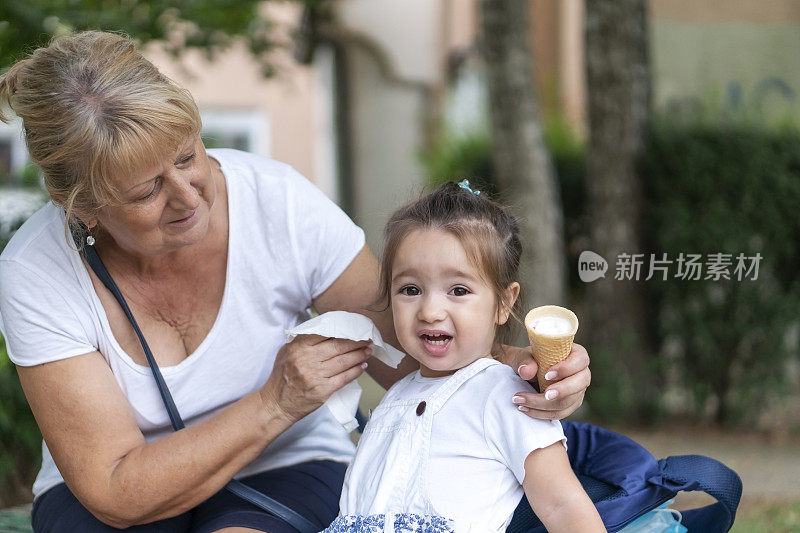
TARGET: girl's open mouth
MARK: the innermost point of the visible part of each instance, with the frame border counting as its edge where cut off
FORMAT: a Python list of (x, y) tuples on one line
[(436, 344)]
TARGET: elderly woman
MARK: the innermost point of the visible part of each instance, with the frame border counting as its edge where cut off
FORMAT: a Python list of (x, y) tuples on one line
[(216, 253)]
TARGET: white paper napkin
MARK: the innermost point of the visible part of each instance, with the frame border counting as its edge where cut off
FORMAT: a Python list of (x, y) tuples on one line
[(343, 325)]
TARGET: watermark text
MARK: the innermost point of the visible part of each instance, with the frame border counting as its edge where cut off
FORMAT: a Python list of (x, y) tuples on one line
[(690, 267)]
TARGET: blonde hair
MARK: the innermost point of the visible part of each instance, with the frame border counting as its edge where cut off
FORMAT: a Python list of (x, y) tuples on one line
[(93, 107)]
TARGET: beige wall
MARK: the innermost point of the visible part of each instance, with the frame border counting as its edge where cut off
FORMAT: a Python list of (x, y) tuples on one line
[(406, 32), (728, 55), (292, 103), (387, 136), (754, 11)]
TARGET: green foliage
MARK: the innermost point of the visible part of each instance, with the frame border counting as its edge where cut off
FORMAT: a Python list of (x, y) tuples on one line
[(728, 188), (456, 157), (459, 156), (15, 521), (769, 517), (29, 176), (210, 25), (20, 440)]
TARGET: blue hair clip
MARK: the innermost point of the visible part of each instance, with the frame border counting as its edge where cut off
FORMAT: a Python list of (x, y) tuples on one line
[(464, 184)]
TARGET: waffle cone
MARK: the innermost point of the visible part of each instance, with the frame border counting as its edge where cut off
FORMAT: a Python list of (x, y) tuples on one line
[(549, 349)]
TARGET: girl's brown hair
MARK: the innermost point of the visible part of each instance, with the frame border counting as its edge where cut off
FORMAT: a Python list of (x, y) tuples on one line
[(93, 107), (488, 233)]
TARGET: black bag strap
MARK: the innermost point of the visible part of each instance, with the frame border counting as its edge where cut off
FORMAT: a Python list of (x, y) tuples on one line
[(238, 488), (100, 270)]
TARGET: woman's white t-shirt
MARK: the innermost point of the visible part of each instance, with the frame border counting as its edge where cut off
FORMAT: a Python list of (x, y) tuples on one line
[(287, 244)]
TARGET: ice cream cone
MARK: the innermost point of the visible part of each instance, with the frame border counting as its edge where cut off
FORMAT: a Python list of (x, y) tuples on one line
[(550, 347)]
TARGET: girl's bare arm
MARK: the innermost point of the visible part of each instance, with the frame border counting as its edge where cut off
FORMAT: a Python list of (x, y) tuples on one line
[(556, 495)]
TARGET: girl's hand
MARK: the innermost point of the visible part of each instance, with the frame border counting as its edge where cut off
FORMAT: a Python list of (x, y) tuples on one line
[(309, 369), (561, 399)]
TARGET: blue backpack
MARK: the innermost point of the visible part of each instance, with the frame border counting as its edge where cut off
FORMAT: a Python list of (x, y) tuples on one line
[(625, 481)]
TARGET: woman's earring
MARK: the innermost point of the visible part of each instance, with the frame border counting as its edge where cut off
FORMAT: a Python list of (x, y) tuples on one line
[(90, 240)]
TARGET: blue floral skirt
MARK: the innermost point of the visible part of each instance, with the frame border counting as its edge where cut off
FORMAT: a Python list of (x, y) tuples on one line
[(403, 523)]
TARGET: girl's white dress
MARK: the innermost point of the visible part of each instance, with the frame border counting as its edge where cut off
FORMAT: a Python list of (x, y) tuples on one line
[(443, 454)]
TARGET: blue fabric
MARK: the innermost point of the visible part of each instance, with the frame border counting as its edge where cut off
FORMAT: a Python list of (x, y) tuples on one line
[(312, 489), (695, 472), (625, 481), (59, 511)]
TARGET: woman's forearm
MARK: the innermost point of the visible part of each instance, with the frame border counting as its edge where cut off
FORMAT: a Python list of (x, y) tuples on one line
[(93, 436), (172, 474), (152, 481)]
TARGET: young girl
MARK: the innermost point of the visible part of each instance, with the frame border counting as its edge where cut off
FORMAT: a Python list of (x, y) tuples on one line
[(443, 451)]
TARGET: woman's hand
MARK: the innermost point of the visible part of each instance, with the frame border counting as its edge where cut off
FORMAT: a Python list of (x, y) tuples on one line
[(562, 398), (311, 368)]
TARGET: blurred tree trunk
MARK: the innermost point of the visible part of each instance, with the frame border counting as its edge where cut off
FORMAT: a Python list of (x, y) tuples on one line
[(618, 81), (524, 169)]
